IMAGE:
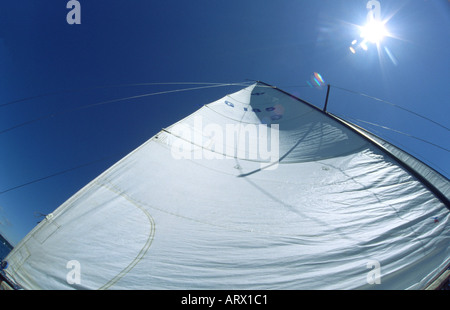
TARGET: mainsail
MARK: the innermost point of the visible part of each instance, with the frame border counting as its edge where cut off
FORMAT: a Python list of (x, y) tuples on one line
[(257, 190)]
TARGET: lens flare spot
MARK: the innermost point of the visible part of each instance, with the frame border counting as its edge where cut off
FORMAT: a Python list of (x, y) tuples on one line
[(391, 56), (318, 77), (316, 80)]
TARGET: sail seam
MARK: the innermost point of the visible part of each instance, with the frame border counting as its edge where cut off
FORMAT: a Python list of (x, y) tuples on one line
[(147, 244)]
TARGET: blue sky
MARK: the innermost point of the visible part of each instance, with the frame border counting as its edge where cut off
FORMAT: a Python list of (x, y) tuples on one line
[(58, 67)]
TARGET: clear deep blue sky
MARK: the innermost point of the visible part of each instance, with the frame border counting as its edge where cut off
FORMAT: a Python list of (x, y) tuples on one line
[(120, 42)]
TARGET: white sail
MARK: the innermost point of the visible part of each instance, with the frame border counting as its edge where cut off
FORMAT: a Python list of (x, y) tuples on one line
[(312, 204)]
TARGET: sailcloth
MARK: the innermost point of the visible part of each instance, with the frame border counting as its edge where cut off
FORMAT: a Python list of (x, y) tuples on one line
[(257, 190)]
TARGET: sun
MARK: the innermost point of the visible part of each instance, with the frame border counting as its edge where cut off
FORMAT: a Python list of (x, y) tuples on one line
[(374, 31)]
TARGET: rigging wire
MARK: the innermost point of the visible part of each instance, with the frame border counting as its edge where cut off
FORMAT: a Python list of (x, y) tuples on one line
[(394, 130), (420, 157), (58, 173), (392, 104), (103, 87), (113, 101)]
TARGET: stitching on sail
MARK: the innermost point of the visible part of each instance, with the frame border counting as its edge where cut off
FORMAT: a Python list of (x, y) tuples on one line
[(147, 245)]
